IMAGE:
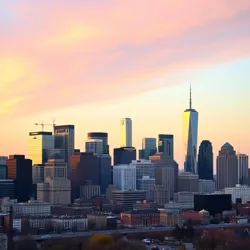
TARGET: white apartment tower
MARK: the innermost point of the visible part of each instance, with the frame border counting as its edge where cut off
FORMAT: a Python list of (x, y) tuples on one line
[(94, 146), (126, 132), (124, 177)]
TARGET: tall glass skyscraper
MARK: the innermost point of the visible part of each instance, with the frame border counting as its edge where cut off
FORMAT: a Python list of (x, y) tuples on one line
[(148, 148), (166, 145), (190, 134), (126, 132)]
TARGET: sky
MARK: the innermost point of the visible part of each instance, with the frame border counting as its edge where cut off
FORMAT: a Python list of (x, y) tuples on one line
[(92, 62)]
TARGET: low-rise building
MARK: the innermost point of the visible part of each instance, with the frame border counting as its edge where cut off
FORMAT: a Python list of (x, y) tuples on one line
[(79, 223), (197, 218), (3, 241), (206, 186), (101, 221), (239, 193), (171, 217), (141, 218)]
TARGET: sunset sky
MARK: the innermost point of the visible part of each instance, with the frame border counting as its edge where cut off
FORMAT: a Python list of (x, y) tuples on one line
[(92, 62)]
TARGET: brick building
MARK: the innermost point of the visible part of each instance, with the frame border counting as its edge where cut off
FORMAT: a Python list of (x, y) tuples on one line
[(141, 218), (197, 218)]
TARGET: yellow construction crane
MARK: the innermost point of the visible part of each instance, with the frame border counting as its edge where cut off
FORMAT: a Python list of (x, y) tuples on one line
[(42, 124)]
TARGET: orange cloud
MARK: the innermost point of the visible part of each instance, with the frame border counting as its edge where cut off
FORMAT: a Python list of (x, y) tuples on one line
[(70, 51)]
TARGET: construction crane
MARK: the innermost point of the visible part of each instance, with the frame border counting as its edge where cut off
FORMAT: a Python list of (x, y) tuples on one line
[(42, 124)]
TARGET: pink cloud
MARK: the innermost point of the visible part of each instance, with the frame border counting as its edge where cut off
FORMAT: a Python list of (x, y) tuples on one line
[(74, 50)]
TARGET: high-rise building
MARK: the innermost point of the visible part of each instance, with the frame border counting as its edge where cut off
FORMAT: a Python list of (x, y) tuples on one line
[(101, 136), (83, 167), (94, 146), (38, 145), (3, 167), (148, 148), (56, 187), (205, 161), (20, 169), (7, 189), (188, 182), (124, 155), (124, 177), (126, 132), (242, 168), (190, 134), (65, 139), (104, 172), (227, 167), (166, 144), (37, 173)]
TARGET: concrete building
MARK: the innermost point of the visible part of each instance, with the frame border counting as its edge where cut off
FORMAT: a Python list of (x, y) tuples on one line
[(3, 167), (56, 188), (242, 169), (88, 191), (126, 132), (124, 177), (227, 167), (190, 135), (3, 241), (31, 207), (100, 136), (184, 198), (124, 155), (94, 146), (239, 193), (65, 139), (160, 195), (166, 145), (171, 217), (188, 182), (148, 148), (64, 223), (166, 172), (37, 173), (101, 220), (206, 186), (38, 145), (20, 170)]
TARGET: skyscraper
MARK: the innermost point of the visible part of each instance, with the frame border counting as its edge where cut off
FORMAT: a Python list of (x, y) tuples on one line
[(3, 167), (242, 169), (227, 167), (148, 148), (20, 169), (124, 155), (65, 139), (166, 144), (190, 133), (94, 146), (101, 136), (39, 143), (126, 132), (205, 161)]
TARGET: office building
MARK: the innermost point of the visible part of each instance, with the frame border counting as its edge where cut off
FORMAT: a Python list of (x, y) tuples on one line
[(3, 167), (37, 173), (227, 167), (94, 146), (7, 188), (148, 148), (205, 161), (65, 139), (88, 191), (240, 194), (20, 170), (188, 182), (128, 198), (38, 144), (242, 168), (166, 172), (104, 161), (223, 203), (124, 155), (166, 145), (101, 136), (206, 186), (56, 187), (124, 177), (83, 167), (160, 195), (126, 132), (190, 134)]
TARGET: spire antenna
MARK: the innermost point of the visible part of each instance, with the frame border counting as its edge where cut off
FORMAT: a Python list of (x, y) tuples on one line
[(190, 98)]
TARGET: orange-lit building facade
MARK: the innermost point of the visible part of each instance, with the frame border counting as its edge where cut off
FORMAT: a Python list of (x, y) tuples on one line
[(141, 218)]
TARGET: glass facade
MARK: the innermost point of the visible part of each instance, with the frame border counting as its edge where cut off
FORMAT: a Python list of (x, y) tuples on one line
[(166, 144)]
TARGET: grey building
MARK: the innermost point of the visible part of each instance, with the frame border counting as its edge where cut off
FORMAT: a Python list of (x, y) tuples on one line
[(166, 145), (148, 148), (227, 167), (104, 172), (7, 189), (188, 182), (242, 169), (101, 136), (3, 167), (124, 155)]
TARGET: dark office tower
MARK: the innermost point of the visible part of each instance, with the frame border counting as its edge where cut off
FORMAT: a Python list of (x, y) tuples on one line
[(3, 168), (101, 136), (205, 161), (7, 189), (20, 169), (124, 155), (166, 145), (65, 139), (227, 167), (148, 148), (83, 167), (104, 172)]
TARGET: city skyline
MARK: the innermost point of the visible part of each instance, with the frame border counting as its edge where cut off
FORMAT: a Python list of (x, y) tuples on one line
[(142, 76)]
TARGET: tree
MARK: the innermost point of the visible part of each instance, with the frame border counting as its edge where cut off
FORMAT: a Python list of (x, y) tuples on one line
[(26, 244), (100, 240)]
